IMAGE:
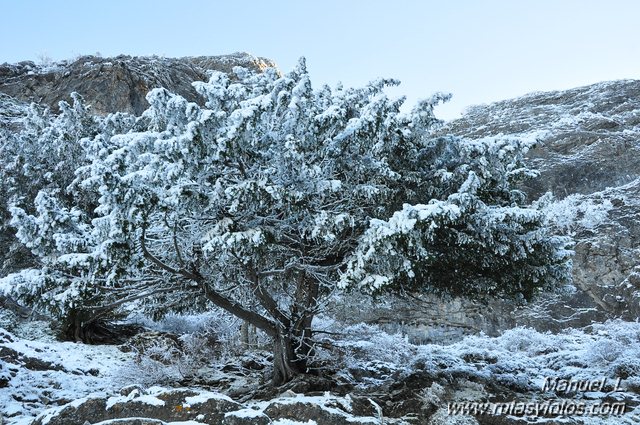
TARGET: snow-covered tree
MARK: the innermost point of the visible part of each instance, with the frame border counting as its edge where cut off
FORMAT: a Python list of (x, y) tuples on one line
[(43, 154), (274, 195), (37, 166)]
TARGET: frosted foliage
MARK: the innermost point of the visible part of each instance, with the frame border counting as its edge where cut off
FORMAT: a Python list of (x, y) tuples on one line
[(275, 195), (576, 212), (45, 212), (523, 357), (528, 341), (432, 396), (365, 348), (215, 322), (54, 231), (368, 342), (158, 365)]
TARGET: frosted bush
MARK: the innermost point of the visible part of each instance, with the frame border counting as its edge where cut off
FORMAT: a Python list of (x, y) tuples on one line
[(529, 340), (200, 349), (604, 351), (431, 396), (201, 331), (614, 341), (523, 357), (147, 371), (204, 338), (627, 333), (575, 212), (363, 351), (626, 366), (215, 321), (166, 366), (369, 342), (434, 357)]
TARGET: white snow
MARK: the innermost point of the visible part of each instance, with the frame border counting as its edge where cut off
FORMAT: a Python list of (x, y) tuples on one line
[(204, 396), (138, 398), (89, 371), (246, 413)]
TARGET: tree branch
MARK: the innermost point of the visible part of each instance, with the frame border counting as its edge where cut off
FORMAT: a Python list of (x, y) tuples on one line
[(99, 311), (266, 300), (149, 256), (232, 307), (237, 310)]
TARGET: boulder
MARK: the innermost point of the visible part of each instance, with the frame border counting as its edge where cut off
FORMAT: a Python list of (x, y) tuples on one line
[(246, 417), (159, 405), (305, 409)]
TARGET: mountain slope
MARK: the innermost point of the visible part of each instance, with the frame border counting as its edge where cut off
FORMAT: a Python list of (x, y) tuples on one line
[(117, 84), (590, 136)]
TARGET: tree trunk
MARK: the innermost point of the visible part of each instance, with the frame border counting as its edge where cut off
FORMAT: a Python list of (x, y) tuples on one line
[(292, 351), (244, 334), (284, 360), (290, 356)]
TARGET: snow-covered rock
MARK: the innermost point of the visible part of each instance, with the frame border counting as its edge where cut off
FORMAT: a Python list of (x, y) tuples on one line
[(170, 405)]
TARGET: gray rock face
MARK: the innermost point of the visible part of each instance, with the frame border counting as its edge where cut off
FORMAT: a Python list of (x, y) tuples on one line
[(590, 145), (607, 259), (589, 135), (117, 84)]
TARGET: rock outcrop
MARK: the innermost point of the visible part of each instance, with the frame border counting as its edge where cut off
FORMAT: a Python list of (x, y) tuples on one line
[(117, 84), (163, 406)]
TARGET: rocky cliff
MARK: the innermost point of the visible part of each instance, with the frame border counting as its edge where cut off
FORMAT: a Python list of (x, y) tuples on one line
[(116, 84), (589, 136)]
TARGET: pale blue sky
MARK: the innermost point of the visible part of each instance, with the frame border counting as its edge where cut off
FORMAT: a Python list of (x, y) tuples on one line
[(481, 51)]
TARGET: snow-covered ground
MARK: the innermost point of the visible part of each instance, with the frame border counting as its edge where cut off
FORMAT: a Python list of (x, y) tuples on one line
[(45, 374), (62, 372)]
